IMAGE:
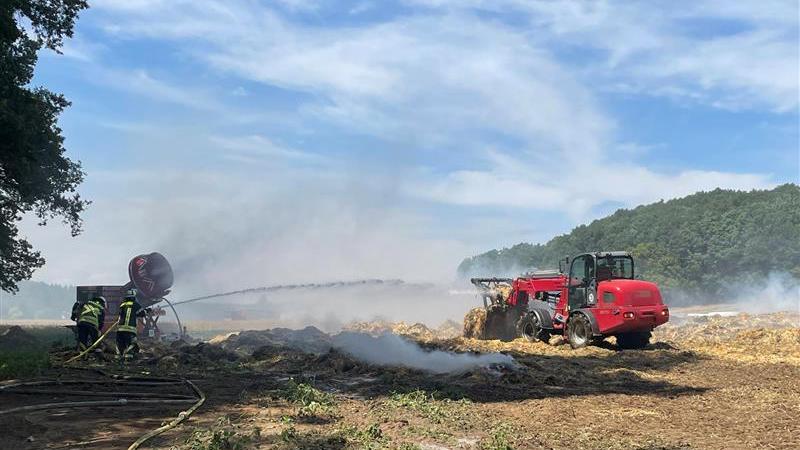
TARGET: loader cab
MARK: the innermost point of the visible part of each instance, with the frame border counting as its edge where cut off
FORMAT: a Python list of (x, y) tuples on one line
[(589, 269)]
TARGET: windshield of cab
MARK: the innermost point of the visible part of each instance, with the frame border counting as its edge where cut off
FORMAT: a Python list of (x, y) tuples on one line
[(619, 266)]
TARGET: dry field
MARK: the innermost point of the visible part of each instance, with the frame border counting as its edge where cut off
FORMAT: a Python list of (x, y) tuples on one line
[(705, 383)]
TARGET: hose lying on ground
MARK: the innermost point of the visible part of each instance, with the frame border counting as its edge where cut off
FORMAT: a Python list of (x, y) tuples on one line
[(96, 343), (117, 402), (139, 397), (181, 417), (105, 394)]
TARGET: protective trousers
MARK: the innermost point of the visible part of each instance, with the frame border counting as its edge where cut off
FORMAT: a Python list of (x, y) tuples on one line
[(126, 344), (87, 334)]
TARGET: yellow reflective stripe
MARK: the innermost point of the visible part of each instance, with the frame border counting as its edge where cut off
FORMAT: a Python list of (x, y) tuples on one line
[(128, 328), (90, 314), (128, 316)]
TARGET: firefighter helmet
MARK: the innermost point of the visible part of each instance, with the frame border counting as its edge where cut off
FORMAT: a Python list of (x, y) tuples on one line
[(100, 299)]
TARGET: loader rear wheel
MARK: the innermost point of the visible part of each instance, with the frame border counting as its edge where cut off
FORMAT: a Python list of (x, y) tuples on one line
[(633, 340), (530, 328), (579, 331)]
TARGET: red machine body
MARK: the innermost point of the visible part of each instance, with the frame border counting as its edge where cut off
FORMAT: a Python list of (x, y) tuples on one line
[(596, 298)]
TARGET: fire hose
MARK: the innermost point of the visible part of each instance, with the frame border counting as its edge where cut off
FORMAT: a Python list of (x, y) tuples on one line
[(96, 343), (131, 398)]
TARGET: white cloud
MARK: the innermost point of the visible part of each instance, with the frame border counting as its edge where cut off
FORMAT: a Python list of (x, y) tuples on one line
[(434, 78), (680, 50), (259, 148), (574, 188), (444, 83), (140, 82), (455, 81)]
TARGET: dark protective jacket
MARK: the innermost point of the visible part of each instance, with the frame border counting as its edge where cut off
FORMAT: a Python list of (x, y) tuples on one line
[(92, 313), (129, 310), (76, 310)]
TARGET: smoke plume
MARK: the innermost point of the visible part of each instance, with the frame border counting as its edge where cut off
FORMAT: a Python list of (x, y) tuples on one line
[(393, 350), (778, 292)]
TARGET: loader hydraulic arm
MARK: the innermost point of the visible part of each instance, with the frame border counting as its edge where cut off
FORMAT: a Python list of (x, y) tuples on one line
[(492, 290)]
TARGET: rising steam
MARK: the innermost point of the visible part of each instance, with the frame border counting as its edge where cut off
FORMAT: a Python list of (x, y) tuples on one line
[(393, 350)]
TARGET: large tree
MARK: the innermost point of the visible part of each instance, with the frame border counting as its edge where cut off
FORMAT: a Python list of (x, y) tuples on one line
[(35, 175)]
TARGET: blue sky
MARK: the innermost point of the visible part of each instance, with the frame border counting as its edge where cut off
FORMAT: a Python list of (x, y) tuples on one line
[(295, 139)]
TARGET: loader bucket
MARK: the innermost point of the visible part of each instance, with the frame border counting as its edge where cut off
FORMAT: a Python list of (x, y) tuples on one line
[(151, 274)]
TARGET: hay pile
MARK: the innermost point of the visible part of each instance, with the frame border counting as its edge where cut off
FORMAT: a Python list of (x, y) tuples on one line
[(181, 354), (475, 323), (416, 331), (745, 337), (719, 329), (308, 340)]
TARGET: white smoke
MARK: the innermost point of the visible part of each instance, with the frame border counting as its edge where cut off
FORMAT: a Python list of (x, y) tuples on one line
[(393, 350), (332, 308), (778, 292)]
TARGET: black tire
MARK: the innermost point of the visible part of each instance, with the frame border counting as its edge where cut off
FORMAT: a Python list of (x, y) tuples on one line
[(579, 331), (529, 327), (633, 340)]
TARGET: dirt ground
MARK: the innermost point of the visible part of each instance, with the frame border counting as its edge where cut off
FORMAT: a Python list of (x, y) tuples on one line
[(704, 383)]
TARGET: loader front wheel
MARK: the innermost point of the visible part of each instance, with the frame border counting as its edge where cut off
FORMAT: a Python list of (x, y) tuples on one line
[(530, 329), (579, 331)]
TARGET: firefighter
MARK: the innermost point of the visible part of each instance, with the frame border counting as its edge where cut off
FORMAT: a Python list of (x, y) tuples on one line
[(76, 310), (90, 321), (129, 310)]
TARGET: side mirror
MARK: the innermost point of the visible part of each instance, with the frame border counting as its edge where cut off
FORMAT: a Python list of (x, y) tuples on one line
[(591, 298)]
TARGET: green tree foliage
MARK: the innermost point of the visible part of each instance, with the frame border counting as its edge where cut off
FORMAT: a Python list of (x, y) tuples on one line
[(37, 300), (35, 175), (707, 243)]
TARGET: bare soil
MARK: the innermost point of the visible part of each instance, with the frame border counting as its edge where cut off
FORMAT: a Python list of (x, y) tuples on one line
[(704, 383)]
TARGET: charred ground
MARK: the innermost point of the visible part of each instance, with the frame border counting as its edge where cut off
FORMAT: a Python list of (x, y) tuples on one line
[(719, 382)]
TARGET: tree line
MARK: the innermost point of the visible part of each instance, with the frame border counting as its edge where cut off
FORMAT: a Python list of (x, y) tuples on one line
[(706, 245)]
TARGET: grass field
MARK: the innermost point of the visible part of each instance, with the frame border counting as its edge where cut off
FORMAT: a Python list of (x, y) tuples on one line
[(27, 355)]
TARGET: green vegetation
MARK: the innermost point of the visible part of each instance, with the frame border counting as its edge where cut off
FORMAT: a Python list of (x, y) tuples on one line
[(408, 446), (51, 337), (289, 431), (312, 401), (23, 363), (437, 411), (499, 438), (347, 436), (225, 435), (369, 438), (36, 177), (705, 244), (25, 353)]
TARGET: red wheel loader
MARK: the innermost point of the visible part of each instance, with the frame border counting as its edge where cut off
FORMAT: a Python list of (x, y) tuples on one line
[(597, 297)]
